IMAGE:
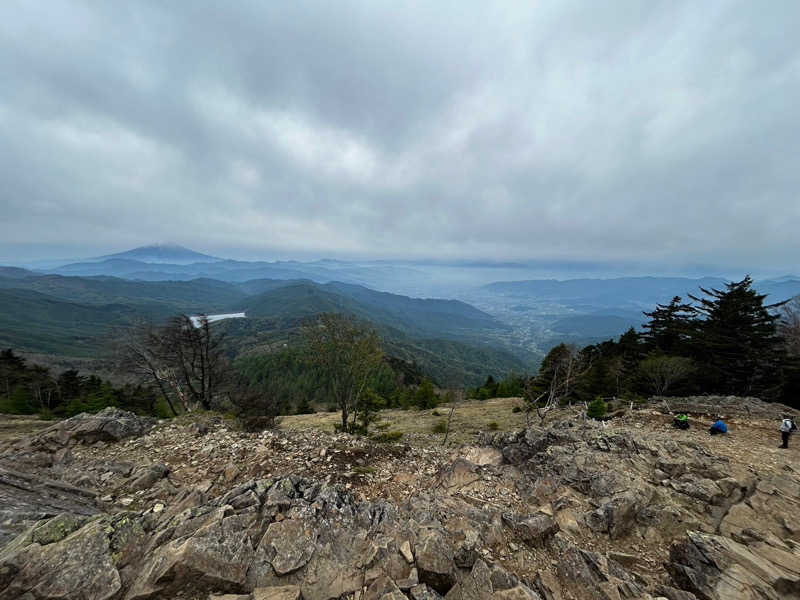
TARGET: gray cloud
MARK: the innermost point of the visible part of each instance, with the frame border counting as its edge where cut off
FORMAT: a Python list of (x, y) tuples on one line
[(649, 131)]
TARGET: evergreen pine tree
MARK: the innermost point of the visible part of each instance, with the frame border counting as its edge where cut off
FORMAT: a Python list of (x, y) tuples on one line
[(670, 327), (736, 341), (630, 352)]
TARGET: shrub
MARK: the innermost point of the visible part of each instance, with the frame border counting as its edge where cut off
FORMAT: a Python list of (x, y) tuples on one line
[(162, 409), (425, 396), (304, 407), (439, 427), (597, 409), (388, 437), (255, 407), (493, 426)]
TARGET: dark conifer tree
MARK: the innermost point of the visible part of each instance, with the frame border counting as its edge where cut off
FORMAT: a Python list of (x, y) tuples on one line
[(736, 342), (670, 327), (630, 350)]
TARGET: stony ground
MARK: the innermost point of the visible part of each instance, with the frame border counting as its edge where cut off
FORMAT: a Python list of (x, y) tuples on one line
[(566, 507)]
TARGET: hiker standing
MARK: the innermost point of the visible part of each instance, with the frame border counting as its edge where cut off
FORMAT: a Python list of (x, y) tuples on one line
[(787, 427)]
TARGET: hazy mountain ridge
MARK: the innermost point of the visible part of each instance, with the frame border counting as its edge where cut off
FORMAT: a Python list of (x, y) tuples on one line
[(161, 253), (73, 316), (15, 272), (198, 295)]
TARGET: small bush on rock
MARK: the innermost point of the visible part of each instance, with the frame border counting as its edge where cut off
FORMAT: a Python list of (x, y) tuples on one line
[(597, 409)]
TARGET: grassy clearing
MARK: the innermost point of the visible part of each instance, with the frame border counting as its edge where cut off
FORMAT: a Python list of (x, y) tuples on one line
[(470, 418)]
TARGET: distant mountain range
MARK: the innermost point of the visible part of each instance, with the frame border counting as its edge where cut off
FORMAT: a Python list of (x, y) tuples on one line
[(493, 327)]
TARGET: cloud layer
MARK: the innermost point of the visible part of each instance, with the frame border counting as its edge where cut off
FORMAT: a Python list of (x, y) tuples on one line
[(657, 131)]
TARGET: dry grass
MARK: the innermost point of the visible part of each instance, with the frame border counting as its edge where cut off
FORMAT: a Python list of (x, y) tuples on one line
[(13, 427), (470, 418)]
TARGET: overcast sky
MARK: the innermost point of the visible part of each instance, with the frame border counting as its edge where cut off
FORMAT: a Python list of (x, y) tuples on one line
[(652, 131)]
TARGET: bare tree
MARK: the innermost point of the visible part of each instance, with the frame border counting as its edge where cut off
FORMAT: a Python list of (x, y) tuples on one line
[(457, 396), (347, 353), (183, 360), (195, 354), (139, 350), (563, 366), (663, 371), (42, 386)]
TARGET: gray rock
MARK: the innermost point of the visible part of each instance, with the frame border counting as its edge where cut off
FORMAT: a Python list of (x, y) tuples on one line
[(518, 592), (475, 586), (292, 544), (423, 592), (617, 517), (26, 498), (109, 425), (502, 579), (435, 561), (217, 556), (148, 476), (533, 529), (405, 550), (715, 567), (284, 592), (671, 593), (77, 567), (381, 588)]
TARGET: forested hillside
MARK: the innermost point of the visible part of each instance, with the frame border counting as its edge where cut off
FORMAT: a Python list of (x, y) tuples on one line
[(77, 316)]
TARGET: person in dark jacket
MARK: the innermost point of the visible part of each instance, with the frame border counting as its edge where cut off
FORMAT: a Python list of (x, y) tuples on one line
[(718, 427)]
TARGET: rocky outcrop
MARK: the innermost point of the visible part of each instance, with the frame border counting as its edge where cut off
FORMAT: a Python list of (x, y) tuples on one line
[(575, 511), (632, 487), (32, 482), (107, 426), (63, 564), (715, 567), (26, 498), (293, 533)]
